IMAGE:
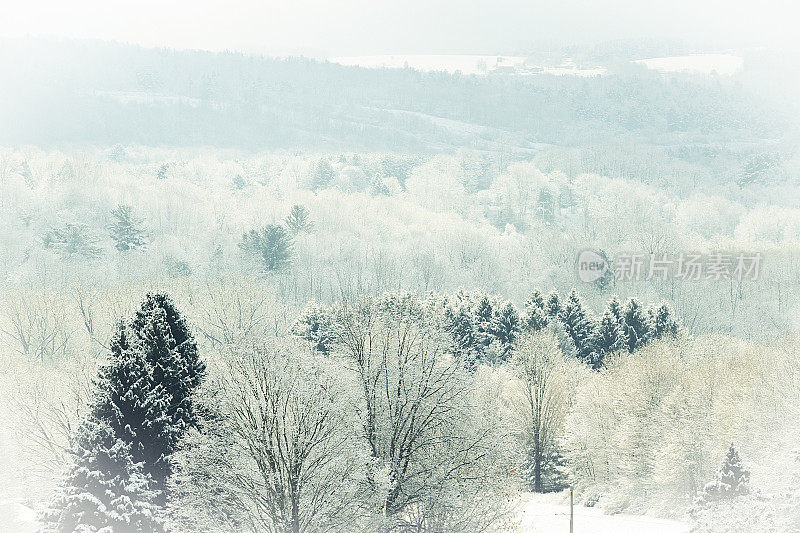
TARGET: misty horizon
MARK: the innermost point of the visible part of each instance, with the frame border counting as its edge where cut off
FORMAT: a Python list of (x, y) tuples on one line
[(322, 29)]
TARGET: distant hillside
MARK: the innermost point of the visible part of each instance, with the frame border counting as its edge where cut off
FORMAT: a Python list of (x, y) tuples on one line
[(101, 93)]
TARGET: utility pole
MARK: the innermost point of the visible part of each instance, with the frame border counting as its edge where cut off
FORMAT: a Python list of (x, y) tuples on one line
[(571, 514)]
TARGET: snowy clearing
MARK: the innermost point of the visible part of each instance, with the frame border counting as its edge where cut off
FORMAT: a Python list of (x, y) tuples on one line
[(724, 64), (539, 513), (16, 517), (467, 64), (544, 513)]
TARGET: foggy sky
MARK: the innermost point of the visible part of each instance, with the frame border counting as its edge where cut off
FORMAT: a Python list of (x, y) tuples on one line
[(344, 27)]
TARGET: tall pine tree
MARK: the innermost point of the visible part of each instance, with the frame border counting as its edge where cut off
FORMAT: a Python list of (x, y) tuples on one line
[(579, 325), (505, 327), (322, 175), (156, 347), (637, 324), (608, 338), (272, 246), (297, 220), (662, 321), (553, 305), (162, 336), (126, 231), (614, 306), (192, 368), (483, 318), (109, 484), (462, 330), (535, 318)]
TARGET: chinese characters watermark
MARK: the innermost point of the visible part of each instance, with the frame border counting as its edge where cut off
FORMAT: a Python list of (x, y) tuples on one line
[(592, 265)]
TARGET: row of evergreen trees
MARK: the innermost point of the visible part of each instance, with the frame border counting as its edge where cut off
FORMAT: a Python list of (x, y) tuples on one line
[(483, 328), (621, 327), (143, 403)]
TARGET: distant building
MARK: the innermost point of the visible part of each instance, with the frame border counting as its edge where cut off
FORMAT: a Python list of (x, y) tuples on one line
[(504, 66)]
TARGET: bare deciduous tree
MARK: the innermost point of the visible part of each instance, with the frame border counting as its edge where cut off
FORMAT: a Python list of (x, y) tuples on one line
[(279, 456), (417, 412), (232, 312), (539, 400), (35, 324)]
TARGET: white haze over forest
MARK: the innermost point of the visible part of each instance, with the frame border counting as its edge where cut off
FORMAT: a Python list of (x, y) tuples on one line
[(308, 266)]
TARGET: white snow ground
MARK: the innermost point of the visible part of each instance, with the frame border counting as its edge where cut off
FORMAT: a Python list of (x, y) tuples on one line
[(16, 517), (538, 513), (544, 513), (466, 64), (723, 64)]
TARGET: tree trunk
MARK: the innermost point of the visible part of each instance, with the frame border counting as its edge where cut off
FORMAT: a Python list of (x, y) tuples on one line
[(295, 510)]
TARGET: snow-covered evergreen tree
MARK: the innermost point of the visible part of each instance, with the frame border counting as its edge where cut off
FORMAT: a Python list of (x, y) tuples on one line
[(614, 306), (662, 320), (484, 312), (160, 424), (535, 318), (315, 325), (126, 231), (553, 306), (579, 325), (72, 240), (162, 337), (322, 175), (732, 480), (505, 328), (637, 324), (553, 471), (119, 449), (191, 369), (27, 175), (162, 171), (460, 326), (104, 489), (297, 220), (483, 328), (271, 246), (608, 337)]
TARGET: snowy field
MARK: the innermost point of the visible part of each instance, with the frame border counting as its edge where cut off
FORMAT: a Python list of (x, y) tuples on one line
[(16, 517), (466, 64), (546, 513), (539, 513), (724, 64)]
